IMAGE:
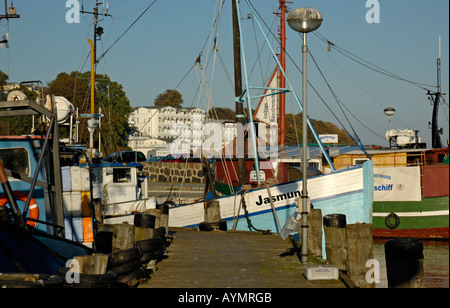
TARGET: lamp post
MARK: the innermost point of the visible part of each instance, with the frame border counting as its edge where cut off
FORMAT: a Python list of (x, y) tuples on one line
[(389, 111), (304, 20)]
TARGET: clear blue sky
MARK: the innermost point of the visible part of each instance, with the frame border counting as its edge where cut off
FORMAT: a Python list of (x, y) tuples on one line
[(157, 52)]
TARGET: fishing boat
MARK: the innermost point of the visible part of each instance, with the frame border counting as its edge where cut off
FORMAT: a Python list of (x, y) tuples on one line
[(411, 189), (31, 197), (261, 202), (348, 191)]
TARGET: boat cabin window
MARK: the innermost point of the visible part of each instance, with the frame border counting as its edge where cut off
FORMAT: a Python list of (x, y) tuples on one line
[(16, 160), (121, 175)]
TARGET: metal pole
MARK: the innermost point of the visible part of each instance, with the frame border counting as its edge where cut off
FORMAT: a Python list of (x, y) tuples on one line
[(282, 128), (38, 167), (249, 107), (304, 226)]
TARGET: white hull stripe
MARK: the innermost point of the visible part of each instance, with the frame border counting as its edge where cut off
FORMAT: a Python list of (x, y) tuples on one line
[(414, 214)]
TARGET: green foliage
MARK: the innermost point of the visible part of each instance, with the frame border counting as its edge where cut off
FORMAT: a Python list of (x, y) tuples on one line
[(169, 98), (3, 78), (294, 130), (109, 95), (220, 113)]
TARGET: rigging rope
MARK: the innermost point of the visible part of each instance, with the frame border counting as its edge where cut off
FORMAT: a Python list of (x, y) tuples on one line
[(371, 66), (134, 22), (340, 104)]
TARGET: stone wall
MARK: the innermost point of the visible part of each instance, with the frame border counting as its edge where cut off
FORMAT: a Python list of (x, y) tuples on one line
[(174, 172)]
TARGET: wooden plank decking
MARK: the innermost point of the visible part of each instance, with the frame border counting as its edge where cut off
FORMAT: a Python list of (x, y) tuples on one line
[(230, 259)]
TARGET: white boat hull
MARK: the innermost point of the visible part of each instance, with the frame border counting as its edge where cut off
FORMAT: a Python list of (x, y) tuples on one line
[(348, 191)]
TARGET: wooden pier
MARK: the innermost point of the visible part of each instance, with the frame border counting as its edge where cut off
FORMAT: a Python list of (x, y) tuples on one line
[(233, 259)]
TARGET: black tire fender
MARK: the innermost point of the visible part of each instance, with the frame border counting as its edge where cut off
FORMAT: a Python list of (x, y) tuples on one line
[(388, 223)]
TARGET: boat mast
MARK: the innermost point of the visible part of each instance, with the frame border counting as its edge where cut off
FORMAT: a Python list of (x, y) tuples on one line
[(240, 118), (282, 57), (94, 119)]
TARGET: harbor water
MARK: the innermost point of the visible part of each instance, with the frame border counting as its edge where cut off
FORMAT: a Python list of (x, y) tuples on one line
[(436, 263)]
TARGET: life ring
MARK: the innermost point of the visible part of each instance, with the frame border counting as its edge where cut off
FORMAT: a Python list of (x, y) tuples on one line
[(20, 195), (388, 221)]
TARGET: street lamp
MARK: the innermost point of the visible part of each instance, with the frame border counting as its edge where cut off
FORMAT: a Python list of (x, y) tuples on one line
[(389, 111), (304, 20)]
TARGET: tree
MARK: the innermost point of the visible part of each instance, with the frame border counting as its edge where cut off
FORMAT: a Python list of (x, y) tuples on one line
[(169, 98), (221, 113), (3, 78), (294, 130), (109, 95)]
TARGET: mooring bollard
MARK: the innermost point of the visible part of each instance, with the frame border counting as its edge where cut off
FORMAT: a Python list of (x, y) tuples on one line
[(212, 217), (164, 220), (157, 213), (104, 237), (359, 250), (123, 237), (335, 240), (144, 226), (404, 263), (315, 232), (92, 264)]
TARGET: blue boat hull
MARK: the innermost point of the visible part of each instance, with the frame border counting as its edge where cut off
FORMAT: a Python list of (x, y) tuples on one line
[(35, 252)]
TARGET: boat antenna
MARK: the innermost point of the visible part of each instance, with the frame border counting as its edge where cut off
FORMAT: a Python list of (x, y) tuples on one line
[(435, 96), (93, 118), (98, 31)]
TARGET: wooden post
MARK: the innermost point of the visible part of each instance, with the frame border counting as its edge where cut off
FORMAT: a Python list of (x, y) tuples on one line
[(315, 232), (144, 226), (103, 238), (123, 237), (335, 240), (404, 263), (212, 211), (359, 251), (212, 217), (157, 214), (164, 208), (93, 264)]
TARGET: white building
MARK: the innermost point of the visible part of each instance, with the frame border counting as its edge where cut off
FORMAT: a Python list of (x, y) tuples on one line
[(154, 128)]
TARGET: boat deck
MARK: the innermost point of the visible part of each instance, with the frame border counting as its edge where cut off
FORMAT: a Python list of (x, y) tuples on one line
[(233, 259)]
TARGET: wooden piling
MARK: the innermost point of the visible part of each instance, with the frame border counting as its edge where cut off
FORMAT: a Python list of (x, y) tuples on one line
[(164, 220), (212, 217), (144, 226), (315, 232), (103, 238), (335, 240), (123, 237), (404, 263), (91, 264), (157, 214), (212, 211), (359, 251)]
